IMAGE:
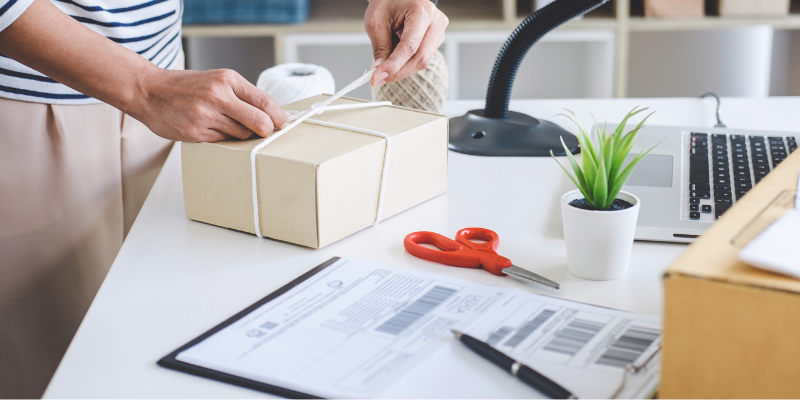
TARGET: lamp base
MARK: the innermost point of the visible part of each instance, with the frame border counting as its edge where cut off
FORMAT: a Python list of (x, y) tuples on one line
[(519, 135)]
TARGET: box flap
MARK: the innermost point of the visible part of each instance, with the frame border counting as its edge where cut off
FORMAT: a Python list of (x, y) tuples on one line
[(715, 255)]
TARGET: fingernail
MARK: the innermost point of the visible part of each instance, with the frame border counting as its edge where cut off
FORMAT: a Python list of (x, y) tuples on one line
[(382, 76), (380, 83), (376, 63), (288, 114), (283, 125)]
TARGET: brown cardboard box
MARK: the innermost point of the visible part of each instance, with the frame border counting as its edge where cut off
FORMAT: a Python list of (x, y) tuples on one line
[(753, 7), (674, 8), (731, 330), (317, 184)]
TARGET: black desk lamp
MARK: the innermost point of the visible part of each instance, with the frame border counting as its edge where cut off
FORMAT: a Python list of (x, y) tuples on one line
[(495, 131)]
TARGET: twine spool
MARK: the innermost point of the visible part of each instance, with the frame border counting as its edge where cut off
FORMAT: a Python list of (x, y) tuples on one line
[(291, 82), (425, 90)]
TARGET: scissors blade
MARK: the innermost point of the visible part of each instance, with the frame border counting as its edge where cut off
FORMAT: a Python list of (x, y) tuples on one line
[(525, 274)]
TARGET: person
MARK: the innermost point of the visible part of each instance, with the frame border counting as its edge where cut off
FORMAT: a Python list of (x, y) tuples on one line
[(91, 98)]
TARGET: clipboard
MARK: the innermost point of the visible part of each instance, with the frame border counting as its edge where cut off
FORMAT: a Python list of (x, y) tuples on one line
[(428, 289), (170, 361)]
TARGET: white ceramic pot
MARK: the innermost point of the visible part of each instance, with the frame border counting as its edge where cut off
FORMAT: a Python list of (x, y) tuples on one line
[(598, 243)]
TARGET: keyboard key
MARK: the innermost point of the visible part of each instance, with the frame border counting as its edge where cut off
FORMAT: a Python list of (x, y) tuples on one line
[(700, 194), (695, 200), (760, 173), (761, 166), (700, 186), (721, 181), (720, 209), (694, 215), (759, 178), (694, 207), (737, 138), (706, 208), (722, 201), (743, 185), (721, 175), (740, 194), (776, 161), (722, 188), (741, 174), (720, 195)]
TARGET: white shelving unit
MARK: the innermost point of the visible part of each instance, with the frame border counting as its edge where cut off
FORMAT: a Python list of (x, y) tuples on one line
[(474, 19)]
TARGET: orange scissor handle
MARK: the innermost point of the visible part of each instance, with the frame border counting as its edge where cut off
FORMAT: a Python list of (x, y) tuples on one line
[(450, 252), (467, 235)]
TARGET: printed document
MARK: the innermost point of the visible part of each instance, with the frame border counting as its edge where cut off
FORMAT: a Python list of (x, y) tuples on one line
[(357, 327)]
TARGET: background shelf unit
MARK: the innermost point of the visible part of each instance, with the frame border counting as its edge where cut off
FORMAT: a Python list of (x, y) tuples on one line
[(629, 33)]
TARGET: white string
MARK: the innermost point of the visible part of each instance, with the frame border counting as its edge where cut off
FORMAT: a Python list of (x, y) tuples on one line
[(304, 116)]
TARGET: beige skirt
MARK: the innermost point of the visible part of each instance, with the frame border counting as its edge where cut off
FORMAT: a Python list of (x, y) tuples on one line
[(72, 180)]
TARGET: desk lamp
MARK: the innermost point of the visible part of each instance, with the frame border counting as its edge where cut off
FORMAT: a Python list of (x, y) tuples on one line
[(495, 131)]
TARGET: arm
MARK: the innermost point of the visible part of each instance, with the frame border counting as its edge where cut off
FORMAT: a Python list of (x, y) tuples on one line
[(178, 105), (419, 27)]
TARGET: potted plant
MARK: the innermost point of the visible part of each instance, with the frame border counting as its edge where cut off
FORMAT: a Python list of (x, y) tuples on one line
[(599, 219)]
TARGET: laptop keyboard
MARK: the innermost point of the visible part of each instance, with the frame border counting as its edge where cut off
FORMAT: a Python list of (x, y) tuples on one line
[(723, 168)]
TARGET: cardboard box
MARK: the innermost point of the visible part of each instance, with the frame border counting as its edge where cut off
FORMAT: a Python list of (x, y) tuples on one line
[(674, 8), (316, 184), (752, 7), (731, 330)]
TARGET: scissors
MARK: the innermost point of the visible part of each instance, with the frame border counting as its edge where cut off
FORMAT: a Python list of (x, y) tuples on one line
[(463, 252)]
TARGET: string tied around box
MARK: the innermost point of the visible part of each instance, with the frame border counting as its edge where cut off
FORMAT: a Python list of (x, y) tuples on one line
[(305, 116)]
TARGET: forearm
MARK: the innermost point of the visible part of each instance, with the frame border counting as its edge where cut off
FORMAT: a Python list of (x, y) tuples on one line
[(51, 42)]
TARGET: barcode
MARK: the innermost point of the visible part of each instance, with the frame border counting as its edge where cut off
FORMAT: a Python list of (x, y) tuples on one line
[(498, 335), (574, 336), (528, 328), (416, 310), (628, 347)]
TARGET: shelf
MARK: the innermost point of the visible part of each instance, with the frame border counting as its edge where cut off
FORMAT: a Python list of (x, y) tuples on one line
[(642, 24)]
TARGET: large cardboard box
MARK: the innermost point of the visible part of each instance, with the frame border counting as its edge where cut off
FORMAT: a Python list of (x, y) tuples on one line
[(316, 184), (731, 330), (753, 7)]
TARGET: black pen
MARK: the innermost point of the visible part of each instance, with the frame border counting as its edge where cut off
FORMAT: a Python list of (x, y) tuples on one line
[(516, 368)]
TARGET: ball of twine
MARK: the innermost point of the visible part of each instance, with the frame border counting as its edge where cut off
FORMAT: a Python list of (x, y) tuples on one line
[(425, 90)]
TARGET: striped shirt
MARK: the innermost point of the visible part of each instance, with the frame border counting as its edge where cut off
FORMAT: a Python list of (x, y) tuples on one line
[(152, 28)]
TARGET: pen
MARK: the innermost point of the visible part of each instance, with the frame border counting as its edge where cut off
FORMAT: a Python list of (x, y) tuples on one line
[(516, 368)]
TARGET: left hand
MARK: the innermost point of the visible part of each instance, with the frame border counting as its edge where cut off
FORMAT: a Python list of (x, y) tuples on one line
[(405, 35)]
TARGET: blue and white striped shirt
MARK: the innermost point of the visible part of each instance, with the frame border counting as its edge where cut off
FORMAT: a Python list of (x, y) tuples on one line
[(151, 28)]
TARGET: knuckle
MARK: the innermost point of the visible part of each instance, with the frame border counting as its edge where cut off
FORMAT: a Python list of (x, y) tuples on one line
[(423, 62), (263, 123), (379, 49)]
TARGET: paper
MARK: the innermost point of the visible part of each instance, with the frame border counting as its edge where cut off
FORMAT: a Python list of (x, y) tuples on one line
[(776, 249), (355, 328)]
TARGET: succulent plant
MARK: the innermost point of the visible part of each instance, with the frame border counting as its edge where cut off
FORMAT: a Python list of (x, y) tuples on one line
[(602, 157)]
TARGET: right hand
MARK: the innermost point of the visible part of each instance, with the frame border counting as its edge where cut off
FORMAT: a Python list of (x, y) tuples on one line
[(205, 106)]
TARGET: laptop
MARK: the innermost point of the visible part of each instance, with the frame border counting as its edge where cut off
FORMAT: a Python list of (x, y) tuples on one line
[(696, 174)]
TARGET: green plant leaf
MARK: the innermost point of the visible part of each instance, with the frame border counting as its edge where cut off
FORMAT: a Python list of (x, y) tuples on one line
[(572, 178), (600, 189), (576, 168), (627, 143), (626, 173)]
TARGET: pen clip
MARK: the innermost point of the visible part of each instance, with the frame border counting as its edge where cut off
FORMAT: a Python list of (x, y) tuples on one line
[(635, 367)]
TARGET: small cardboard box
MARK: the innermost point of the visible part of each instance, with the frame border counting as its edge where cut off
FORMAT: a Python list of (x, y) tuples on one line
[(674, 8), (731, 330), (316, 184), (752, 7)]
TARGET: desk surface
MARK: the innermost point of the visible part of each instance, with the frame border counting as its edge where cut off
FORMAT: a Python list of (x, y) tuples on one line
[(175, 278)]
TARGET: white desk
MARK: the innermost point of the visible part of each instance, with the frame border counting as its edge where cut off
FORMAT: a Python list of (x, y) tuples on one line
[(174, 278)]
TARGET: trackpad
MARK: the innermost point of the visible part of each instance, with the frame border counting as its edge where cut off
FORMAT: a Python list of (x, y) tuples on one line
[(654, 170)]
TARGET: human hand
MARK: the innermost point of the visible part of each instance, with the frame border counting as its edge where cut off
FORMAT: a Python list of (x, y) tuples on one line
[(419, 28), (205, 106)]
